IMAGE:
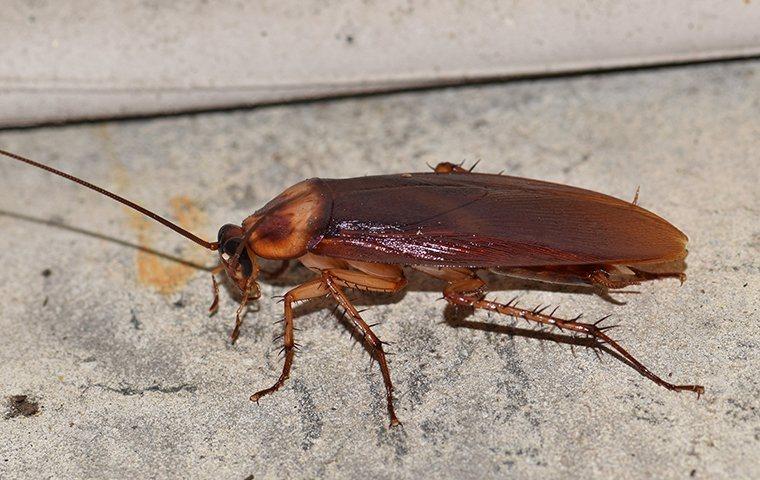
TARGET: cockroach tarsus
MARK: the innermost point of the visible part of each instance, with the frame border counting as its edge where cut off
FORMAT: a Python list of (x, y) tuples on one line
[(451, 224)]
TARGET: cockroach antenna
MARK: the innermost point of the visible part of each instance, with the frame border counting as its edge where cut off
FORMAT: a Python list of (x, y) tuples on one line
[(189, 235)]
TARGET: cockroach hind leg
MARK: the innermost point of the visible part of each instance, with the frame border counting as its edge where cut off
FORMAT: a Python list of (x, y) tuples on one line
[(644, 275), (448, 167), (457, 292), (600, 278)]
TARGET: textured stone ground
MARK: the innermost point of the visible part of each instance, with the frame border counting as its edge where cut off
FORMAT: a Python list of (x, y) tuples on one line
[(126, 376)]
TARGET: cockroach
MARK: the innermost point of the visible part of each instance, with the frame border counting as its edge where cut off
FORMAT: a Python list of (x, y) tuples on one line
[(451, 224)]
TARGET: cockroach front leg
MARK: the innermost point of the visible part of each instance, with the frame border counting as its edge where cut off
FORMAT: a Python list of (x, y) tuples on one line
[(467, 292), (311, 289), (215, 289)]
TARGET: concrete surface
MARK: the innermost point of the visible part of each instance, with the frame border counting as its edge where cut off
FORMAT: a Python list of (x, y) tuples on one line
[(128, 376), (82, 59)]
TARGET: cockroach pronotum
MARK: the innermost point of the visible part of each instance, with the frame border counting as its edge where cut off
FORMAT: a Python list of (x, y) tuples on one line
[(452, 224)]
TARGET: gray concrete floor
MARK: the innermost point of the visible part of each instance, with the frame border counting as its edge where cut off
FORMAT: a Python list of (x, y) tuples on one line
[(131, 378)]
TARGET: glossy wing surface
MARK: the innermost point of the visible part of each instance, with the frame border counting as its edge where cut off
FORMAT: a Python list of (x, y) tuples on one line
[(481, 220)]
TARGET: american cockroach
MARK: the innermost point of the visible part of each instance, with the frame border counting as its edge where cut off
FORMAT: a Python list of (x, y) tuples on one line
[(452, 224)]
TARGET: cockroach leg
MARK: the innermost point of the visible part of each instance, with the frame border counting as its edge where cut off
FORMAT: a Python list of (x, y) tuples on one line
[(459, 293), (448, 167), (334, 280), (215, 289), (250, 291), (239, 318), (331, 282), (642, 275), (215, 302), (601, 278), (311, 289), (605, 276)]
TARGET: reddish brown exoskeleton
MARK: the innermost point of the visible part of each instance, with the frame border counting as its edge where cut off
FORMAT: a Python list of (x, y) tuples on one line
[(450, 224)]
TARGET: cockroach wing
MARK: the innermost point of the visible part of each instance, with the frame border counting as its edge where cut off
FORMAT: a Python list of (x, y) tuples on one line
[(482, 220)]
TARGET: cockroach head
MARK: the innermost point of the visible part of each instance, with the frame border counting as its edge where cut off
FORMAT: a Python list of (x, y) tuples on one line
[(245, 271)]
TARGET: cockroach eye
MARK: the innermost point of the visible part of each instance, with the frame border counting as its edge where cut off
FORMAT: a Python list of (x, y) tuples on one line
[(231, 245)]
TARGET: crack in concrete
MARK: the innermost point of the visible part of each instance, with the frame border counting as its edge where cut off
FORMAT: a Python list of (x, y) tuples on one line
[(130, 391)]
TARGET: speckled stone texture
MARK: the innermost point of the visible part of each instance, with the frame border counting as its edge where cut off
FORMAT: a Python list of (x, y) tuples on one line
[(125, 375)]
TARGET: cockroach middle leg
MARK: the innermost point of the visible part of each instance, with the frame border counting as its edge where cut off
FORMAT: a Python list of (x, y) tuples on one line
[(334, 280), (467, 292), (311, 289)]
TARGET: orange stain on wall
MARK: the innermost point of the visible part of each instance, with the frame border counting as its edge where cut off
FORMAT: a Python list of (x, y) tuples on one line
[(161, 274)]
